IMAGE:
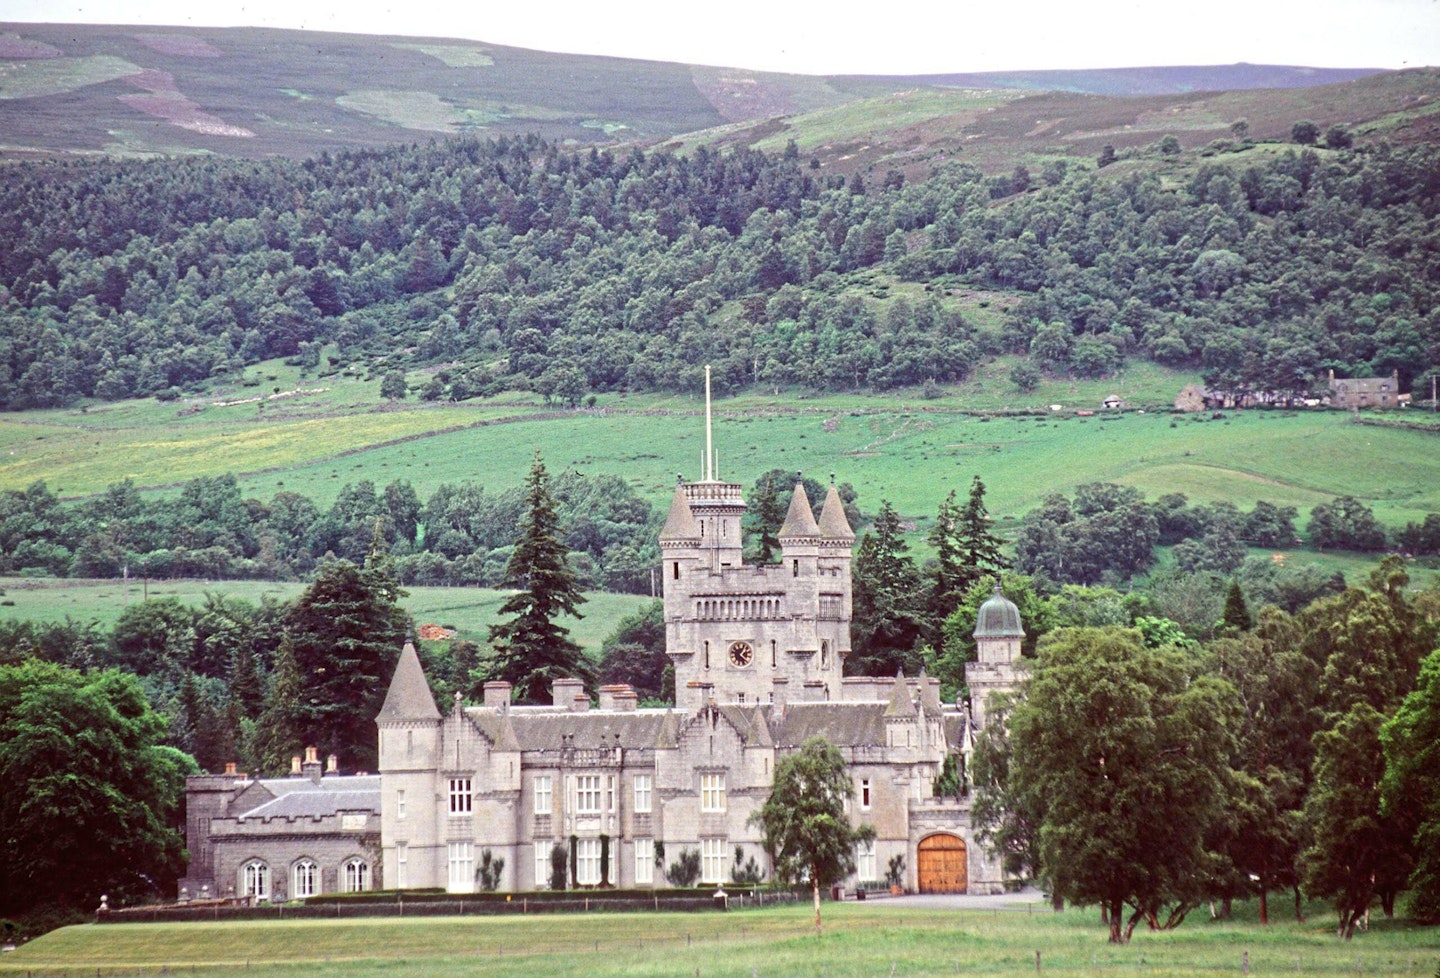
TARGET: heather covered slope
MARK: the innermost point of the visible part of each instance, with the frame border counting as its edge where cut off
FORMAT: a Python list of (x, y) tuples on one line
[(83, 89)]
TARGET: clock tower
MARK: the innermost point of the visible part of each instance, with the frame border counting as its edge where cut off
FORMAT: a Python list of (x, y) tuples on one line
[(754, 634)]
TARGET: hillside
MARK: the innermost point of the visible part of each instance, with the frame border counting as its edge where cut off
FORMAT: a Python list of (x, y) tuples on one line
[(86, 89)]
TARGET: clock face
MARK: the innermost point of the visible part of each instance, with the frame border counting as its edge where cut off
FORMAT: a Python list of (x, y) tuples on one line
[(741, 653)]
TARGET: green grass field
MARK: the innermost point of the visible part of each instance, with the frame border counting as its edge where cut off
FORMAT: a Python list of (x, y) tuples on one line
[(860, 941), (469, 611)]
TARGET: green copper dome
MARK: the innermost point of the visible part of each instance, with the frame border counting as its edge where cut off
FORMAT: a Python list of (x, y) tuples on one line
[(998, 618)]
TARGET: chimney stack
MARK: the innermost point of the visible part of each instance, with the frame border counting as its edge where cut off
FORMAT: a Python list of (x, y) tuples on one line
[(497, 694), (230, 767), (311, 767), (295, 766), (618, 697), (332, 764), (565, 691)]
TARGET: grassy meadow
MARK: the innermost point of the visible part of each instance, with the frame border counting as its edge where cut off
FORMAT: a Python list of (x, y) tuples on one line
[(278, 430), (320, 434), (880, 938), (469, 611)]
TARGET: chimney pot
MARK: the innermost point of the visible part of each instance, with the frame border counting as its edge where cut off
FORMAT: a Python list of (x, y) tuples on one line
[(229, 767), (332, 764), (295, 765)]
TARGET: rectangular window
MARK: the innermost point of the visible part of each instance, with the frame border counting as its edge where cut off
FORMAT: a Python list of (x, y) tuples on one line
[(642, 793), (542, 862), (712, 860), (402, 865), (587, 794), (712, 792), (459, 796), (864, 794), (543, 800), (644, 862), (610, 793), (400, 804), (462, 868), (587, 862), (865, 869)]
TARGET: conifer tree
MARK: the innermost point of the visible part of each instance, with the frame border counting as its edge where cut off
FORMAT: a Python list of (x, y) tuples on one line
[(278, 733), (965, 551), (888, 598), (1237, 613), (531, 650), (347, 629)]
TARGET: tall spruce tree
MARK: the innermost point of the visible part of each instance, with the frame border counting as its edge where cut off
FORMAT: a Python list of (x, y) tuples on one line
[(965, 551), (531, 650), (888, 598), (347, 628)]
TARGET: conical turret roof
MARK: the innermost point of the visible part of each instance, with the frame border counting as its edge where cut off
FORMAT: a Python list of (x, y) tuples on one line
[(800, 520), (833, 524), (680, 524), (901, 704), (409, 695)]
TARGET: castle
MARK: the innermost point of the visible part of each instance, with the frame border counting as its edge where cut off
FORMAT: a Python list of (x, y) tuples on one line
[(758, 654)]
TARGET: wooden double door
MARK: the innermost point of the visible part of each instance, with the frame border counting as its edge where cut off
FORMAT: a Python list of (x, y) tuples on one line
[(941, 864)]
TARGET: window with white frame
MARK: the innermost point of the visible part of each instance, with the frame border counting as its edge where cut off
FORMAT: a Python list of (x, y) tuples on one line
[(610, 793), (355, 876), (402, 865), (460, 796), (542, 862), (255, 880), (587, 794), (865, 794), (712, 792), (865, 869), (712, 860), (642, 793), (644, 862), (543, 797), (462, 868), (400, 803), (587, 862), (304, 879)]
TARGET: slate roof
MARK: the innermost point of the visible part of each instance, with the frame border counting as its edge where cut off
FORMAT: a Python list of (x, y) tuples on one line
[(833, 524), (409, 695), (799, 521), (303, 798), (680, 524), (843, 724), (545, 730)]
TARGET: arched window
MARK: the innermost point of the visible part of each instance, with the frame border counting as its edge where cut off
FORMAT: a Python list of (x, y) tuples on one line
[(306, 879), (255, 880), (355, 875)]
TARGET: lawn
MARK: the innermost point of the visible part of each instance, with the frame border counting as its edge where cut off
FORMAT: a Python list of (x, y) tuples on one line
[(890, 937), (468, 610)]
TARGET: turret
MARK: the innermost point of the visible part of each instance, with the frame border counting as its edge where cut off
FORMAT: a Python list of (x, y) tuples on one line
[(998, 633), (800, 536)]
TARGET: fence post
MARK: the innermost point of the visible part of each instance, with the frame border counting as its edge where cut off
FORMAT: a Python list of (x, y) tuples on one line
[(1244, 962), (1037, 962)]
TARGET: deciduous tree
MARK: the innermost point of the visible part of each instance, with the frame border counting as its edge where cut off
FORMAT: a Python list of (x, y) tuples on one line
[(803, 824), (1123, 748), (90, 795)]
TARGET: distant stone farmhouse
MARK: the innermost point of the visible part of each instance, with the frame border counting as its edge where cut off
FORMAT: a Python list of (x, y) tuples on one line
[(1366, 392), (758, 654)]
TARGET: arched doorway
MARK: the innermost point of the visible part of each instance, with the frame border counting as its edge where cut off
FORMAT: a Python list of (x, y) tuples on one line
[(941, 864)]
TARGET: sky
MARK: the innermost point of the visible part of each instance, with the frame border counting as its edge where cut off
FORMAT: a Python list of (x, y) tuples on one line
[(928, 37)]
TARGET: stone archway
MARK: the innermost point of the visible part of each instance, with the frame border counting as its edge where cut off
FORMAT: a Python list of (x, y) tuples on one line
[(941, 865)]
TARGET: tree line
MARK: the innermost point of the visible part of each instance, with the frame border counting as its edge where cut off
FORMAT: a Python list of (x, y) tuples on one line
[(461, 535), (1146, 773), (516, 264)]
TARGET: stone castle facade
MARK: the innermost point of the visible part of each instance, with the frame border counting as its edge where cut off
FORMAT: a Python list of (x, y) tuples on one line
[(758, 654)]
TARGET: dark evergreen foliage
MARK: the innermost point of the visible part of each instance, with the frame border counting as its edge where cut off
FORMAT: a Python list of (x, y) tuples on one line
[(531, 649)]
